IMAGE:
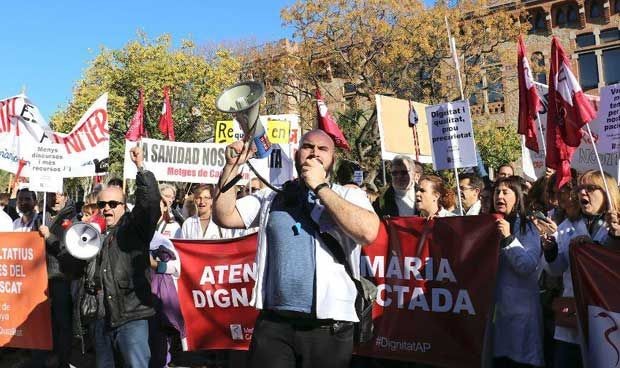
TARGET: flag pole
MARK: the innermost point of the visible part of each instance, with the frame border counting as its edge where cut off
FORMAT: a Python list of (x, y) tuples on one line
[(610, 205), (542, 135), (452, 44)]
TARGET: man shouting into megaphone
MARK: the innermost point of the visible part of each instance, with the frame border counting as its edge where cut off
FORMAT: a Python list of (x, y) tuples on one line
[(305, 295)]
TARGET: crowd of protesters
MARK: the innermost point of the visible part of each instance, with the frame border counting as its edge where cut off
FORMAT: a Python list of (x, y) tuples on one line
[(539, 223)]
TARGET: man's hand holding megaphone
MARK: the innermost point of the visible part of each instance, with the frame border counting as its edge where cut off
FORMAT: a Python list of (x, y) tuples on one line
[(239, 152)]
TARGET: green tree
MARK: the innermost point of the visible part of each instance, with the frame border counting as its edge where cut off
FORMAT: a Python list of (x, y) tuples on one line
[(497, 146), (195, 80)]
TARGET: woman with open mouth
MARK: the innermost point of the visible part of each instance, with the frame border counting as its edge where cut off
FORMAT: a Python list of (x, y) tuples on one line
[(588, 220), (517, 331), (431, 197)]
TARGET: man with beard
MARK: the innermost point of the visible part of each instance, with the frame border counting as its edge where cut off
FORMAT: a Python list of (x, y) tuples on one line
[(61, 269), (26, 200), (305, 295), (399, 198)]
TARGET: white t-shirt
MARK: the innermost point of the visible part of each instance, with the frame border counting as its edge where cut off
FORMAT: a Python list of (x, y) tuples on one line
[(6, 222)]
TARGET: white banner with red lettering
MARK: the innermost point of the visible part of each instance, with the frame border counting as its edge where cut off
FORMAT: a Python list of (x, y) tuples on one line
[(22, 129)]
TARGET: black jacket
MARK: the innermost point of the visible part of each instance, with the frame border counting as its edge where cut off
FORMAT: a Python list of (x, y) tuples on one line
[(60, 264), (125, 265)]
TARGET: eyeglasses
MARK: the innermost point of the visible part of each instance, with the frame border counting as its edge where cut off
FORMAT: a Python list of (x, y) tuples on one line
[(590, 188), (466, 188), (113, 204)]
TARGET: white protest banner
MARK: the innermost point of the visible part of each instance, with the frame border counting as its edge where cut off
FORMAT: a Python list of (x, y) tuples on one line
[(451, 135), (47, 168), (22, 128), (87, 146), (609, 120), (180, 161), (583, 159)]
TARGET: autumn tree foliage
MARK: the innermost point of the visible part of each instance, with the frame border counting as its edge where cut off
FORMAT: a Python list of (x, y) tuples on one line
[(390, 47)]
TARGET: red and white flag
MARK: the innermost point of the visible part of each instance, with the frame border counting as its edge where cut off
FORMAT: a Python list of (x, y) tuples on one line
[(529, 103), (166, 124), (328, 124), (595, 281), (136, 125), (569, 110)]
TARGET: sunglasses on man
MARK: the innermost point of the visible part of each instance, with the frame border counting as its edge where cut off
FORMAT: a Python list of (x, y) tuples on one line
[(101, 204)]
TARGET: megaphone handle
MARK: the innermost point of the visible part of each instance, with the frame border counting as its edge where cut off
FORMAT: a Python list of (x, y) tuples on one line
[(277, 190)]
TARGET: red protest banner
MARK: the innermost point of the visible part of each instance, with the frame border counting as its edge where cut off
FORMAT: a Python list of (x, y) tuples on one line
[(436, 283), (24, 305), (595, 281), (215, 289)]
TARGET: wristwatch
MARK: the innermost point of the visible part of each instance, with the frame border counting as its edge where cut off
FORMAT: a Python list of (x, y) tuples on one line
[(319, 187)]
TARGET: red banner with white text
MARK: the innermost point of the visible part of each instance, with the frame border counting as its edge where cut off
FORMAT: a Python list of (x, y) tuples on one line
[(436, 281), (595, 281), (215, 288)]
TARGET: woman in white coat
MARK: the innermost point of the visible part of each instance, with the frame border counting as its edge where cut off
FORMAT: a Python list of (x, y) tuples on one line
[(585, 203), (517, 329)]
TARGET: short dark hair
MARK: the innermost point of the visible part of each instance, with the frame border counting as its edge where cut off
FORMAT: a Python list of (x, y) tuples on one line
[(28, 191), (474, 180), (115, 182)]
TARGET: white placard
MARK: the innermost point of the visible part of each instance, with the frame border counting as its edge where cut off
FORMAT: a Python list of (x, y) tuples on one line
[(358, 177), (451, 135), (47, 168), (609, 120)]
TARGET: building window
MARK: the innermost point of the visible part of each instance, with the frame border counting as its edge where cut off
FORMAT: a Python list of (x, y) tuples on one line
[(588, 70), (596, 10), (610, 35), (538, 21), (349, 88), (495, 91), (585, 40), (611, 59), (567, 16)]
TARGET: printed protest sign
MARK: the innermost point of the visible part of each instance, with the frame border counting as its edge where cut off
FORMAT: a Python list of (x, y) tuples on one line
[(451, 135), (47, 167), (281, 129), (180, 161), (609, 120), (24, 305), (215, 289)]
